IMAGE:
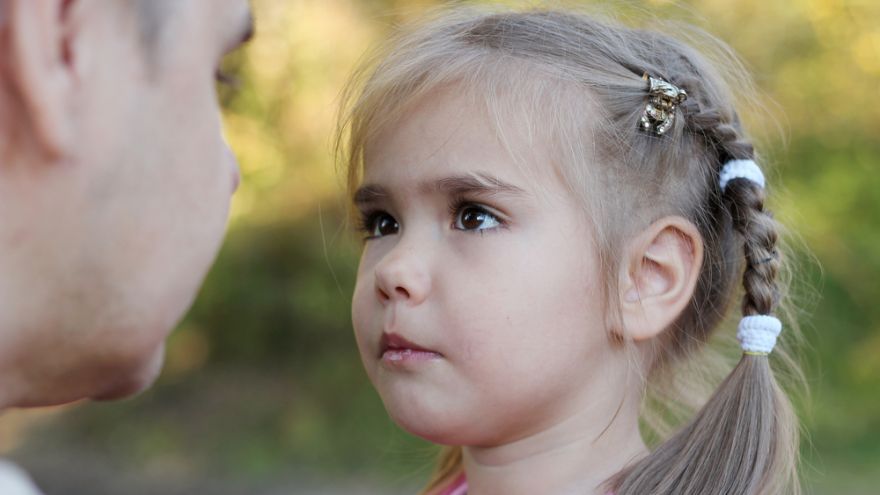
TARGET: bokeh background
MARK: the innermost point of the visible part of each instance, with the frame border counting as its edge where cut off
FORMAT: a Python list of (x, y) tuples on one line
[(263, 390)]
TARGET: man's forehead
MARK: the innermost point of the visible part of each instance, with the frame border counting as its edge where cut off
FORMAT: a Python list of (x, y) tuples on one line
[(223, 16)]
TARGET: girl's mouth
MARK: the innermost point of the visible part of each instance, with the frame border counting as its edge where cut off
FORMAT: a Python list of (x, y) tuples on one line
[(394, 349)]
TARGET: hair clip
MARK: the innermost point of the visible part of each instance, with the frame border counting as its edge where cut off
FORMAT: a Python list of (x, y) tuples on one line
[(660, 110)]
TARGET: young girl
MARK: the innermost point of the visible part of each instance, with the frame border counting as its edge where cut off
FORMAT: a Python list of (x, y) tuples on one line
[(557, 211)]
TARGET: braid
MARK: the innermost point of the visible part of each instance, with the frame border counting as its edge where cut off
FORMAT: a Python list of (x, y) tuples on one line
[(719, 127), (722, 136), (760, 457), (745, 202), (722, 132)]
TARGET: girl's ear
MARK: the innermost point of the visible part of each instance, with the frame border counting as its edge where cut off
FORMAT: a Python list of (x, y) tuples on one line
[(658, 275)]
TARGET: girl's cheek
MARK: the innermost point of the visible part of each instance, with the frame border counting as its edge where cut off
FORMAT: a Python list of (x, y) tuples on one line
[(361, 313)]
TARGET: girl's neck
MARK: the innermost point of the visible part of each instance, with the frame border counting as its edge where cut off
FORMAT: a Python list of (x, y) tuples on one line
[(574, 455)]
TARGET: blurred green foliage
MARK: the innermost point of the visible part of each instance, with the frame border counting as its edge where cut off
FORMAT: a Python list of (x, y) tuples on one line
[(263, 376)]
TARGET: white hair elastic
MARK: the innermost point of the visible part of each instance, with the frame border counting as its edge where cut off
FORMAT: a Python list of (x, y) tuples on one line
[(741, 169), (757, 334)]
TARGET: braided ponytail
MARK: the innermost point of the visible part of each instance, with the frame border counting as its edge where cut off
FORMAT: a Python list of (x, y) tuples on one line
[(743, 440)]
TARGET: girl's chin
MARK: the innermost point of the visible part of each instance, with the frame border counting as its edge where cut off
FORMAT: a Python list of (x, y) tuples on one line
[(442, 428), (430, 411)]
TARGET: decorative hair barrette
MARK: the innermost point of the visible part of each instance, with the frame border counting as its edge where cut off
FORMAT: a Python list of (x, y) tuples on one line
[(660, 110)]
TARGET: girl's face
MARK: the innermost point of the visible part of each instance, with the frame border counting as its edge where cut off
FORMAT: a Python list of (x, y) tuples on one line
[(477, 309)]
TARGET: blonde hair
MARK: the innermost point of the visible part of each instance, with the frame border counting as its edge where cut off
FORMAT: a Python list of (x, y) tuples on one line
[(577, 79)]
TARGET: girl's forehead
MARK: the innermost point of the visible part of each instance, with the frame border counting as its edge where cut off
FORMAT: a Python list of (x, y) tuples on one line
[(448, 134)]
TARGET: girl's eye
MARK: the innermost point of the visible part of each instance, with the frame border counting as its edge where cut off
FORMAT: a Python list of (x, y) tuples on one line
[(471, 217), (380, 224)]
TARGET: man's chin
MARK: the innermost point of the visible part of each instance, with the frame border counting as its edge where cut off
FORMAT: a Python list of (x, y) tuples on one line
[(139, 381)]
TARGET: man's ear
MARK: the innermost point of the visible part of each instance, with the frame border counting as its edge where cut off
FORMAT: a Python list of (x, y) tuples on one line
[(658, 275), (42, 72)]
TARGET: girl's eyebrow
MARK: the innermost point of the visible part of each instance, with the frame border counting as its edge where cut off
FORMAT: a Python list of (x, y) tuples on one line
[(370, 193), (475, 183)]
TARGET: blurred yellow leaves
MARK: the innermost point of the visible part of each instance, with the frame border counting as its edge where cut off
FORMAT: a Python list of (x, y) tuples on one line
[(261, 160), (834, 84), (282, 123), (866, 51)]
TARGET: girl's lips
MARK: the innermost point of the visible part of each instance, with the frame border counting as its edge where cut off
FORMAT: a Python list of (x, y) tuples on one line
[(395, 349), (404, 356)]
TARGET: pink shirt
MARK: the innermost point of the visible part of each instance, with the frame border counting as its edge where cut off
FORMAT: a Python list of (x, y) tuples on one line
[(459, 487)]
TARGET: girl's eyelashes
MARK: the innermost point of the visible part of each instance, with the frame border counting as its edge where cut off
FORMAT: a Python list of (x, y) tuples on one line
[(375, 224), (466, 216), (473, 217)]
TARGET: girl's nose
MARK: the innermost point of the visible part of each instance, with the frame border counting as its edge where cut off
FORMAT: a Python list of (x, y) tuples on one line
[(403, 276)]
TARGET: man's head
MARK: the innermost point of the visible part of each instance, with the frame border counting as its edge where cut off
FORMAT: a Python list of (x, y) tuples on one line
[(115, 183)]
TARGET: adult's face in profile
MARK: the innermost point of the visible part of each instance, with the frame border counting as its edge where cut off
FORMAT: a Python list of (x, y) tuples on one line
[(116, 185)]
